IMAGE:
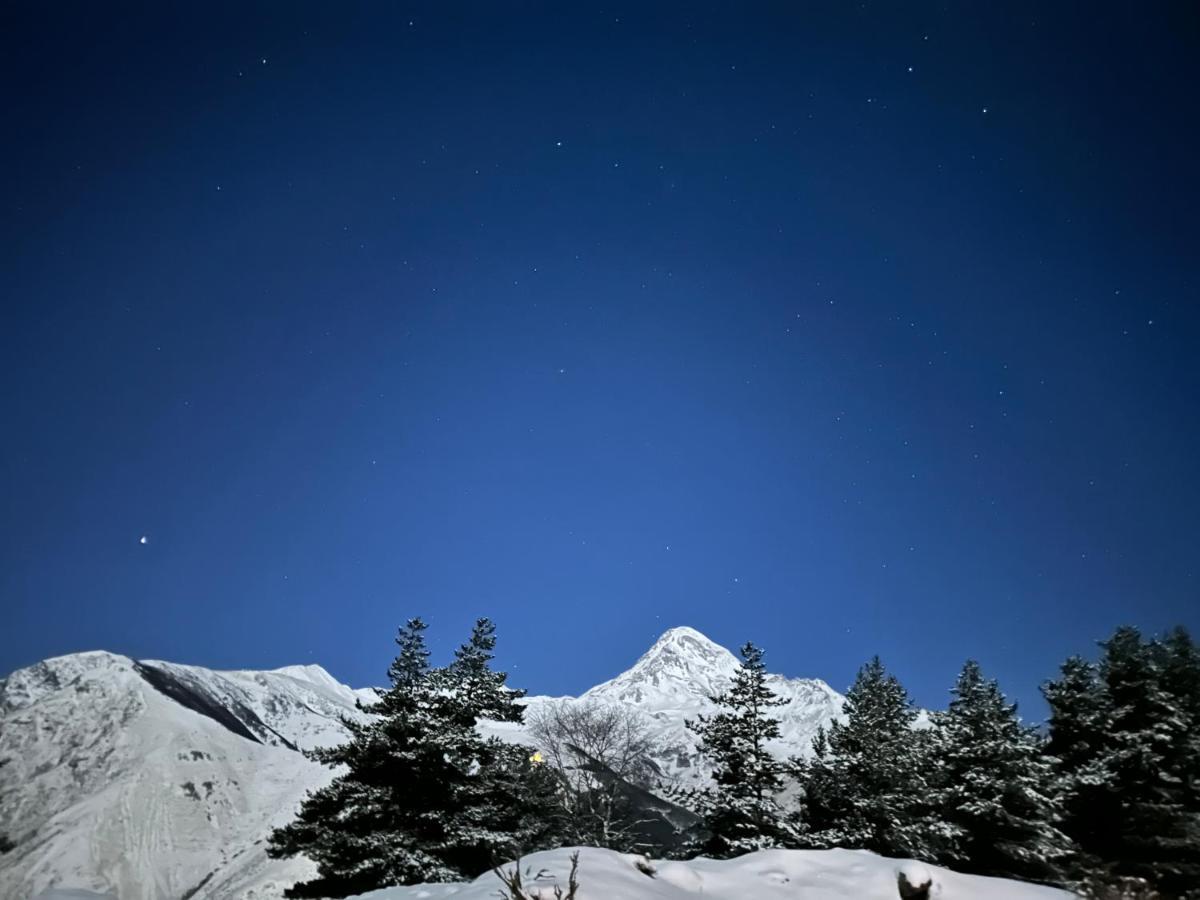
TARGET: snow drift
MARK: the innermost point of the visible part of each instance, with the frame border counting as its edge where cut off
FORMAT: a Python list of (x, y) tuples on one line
[(766, 875)]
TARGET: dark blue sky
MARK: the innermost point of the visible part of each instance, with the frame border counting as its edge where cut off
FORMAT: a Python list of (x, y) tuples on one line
[(848, 329)]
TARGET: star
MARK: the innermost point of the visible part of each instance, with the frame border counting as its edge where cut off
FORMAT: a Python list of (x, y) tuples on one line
[(143, 540)]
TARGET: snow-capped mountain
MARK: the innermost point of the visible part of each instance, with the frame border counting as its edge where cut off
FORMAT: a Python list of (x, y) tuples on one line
[(149, 780), (674, 681)]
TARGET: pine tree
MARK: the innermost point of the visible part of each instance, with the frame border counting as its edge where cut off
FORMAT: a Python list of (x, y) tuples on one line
[(995, 787), (868, 783), (741, 811), (422, 797)]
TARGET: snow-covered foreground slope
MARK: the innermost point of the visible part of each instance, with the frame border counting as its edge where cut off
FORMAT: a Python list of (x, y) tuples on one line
[(147, 780), (766, 875)]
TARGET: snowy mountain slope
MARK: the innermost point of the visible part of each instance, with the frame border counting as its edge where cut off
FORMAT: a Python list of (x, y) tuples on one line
[(765, 875), (152, 779), (142, 779), (296, 706)]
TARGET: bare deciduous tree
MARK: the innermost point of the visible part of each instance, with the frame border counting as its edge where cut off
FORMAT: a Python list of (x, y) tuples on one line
[(603, 756)]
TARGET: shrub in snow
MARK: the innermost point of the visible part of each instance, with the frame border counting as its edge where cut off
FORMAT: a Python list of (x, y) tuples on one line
[(514, 887), (1119, 889), (644, 866), (914, 881)]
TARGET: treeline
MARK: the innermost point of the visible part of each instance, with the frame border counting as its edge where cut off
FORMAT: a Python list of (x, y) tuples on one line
[(1105, 799)]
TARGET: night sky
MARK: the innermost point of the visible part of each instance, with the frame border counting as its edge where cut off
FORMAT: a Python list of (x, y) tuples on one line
[(845, 328)]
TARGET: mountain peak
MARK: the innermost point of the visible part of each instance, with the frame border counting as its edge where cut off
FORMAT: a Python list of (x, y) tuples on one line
[(687, 642), (25, 686), (681, 669), (311, 673), (681, 632)]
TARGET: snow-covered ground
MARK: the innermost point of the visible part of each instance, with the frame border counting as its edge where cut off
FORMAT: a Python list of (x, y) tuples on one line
[(766, 875), (148, 780)]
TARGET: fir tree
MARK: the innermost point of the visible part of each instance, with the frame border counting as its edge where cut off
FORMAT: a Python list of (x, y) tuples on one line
[(481, 692), (1147, 763), (423, 796), (411, 664), (367, 829), (1079, 727), (1123, 737), (1180, 666), (1179, 662), (741, 811), (867, 785), (995, 788), (504, 803)]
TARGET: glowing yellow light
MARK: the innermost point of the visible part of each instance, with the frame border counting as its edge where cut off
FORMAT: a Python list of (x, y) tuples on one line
[(537, 759)]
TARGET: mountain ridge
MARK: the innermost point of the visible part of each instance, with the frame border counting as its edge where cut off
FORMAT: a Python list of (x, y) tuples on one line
[(148, 779)]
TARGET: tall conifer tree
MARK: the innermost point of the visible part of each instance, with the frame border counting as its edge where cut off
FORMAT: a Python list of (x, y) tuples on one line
[(1124, 742), (503, 803), (423, 796), (995, 788), (741, 811), (868, 784)]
